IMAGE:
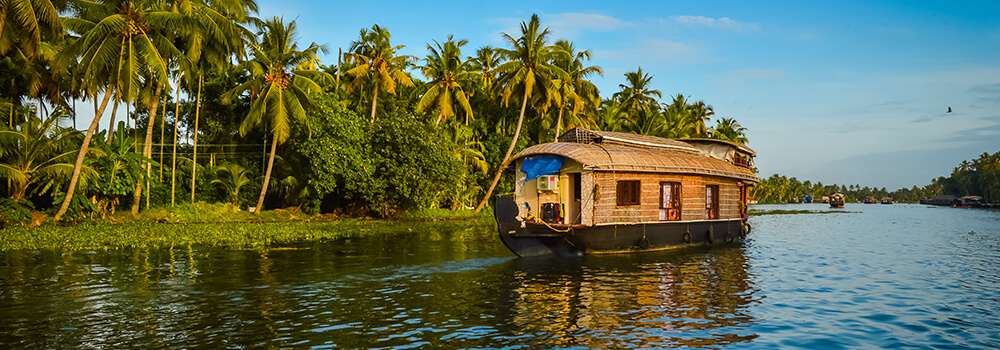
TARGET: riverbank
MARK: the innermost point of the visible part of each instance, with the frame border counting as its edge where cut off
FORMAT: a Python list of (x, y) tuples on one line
[(220, 226)]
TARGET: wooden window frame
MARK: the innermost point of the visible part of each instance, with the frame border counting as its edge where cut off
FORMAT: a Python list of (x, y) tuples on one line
[(672, 210), (712, 204), (628, 193)]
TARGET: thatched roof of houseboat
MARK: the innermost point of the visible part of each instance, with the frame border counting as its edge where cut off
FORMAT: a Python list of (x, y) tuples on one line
[(665, 156)]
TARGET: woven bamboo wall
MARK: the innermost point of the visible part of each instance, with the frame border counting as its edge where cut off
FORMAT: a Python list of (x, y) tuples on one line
[(693, 193)]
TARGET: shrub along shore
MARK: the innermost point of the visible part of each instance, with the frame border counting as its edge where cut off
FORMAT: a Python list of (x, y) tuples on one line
[(219, 225)]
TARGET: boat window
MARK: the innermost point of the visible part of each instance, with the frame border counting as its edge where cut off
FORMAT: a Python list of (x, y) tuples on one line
[(712, 202), (628, 193), (670, 201)]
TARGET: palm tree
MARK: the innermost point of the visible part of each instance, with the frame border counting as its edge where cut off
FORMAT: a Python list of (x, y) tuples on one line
[(33, 151), (701, 113), (486, 62), (283, 79), (610, 116), (583, 92), (677, 122), (122, 43), (24, 22), (447, 73), (529, 69), (374, 55), (637, 95), (729, 130), (231, 177)]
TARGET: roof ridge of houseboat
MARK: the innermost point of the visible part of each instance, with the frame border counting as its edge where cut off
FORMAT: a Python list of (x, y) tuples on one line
[(738, 146), (581, 135)]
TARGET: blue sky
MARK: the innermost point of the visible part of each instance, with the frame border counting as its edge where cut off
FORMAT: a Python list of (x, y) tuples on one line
[(846, 92)]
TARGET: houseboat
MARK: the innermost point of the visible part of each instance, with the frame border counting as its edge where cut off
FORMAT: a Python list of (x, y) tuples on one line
[(595, 192), (837, 200)]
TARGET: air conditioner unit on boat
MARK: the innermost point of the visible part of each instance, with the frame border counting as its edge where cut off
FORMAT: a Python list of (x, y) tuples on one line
[(548, 183)]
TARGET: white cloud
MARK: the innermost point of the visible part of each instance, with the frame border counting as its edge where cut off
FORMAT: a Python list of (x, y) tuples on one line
[(721, 23)]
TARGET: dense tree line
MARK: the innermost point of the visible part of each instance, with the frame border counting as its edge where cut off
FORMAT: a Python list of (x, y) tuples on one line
[(263, 123), (979, 177)]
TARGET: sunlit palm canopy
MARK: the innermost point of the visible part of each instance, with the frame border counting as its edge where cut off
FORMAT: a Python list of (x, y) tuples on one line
[(23, 23), (122, 42), (530, 65), (637, 94), (447, 73), (283, 78), (729, 130)]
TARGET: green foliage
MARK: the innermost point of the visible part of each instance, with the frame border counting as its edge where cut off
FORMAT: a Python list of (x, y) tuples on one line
[(414, 166), (14, 213), (338, 151), (118, 170), (231, 177), (397, 164)]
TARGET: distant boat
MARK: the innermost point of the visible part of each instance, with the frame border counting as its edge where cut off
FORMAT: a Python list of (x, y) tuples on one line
[(886, 200), (837, 200), (970, 202), (808, 198), (826, 199), (870, 200)]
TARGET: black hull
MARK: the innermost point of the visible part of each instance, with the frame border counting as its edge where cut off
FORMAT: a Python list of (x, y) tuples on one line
[(537, 239)]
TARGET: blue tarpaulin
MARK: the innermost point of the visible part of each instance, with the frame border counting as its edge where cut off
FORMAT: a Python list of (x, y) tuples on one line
[(542, 164)]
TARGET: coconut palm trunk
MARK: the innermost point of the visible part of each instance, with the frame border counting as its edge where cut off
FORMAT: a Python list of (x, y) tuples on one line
[(83, 152), (194, 156), (559, 121), (506, 158), (147, 149), (267, 177), (374, 100), (173, 156), (163, 127), (111, 126)]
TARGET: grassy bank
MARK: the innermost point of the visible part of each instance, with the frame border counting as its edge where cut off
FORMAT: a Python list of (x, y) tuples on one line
[(214, 225)]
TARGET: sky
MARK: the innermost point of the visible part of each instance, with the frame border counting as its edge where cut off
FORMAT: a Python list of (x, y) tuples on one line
[(847, 92)]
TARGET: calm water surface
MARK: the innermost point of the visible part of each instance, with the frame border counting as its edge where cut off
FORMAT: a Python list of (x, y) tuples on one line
[(870, 276)]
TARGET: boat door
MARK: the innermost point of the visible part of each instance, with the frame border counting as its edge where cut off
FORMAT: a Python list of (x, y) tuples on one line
[(573, 205), (744, 200)]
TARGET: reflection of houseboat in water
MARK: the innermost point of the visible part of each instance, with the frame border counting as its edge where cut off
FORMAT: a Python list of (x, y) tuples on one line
[(608, 192), (677, 299), (837, 200)]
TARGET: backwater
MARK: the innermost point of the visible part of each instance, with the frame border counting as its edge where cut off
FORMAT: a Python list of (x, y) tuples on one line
[(866, 276)]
